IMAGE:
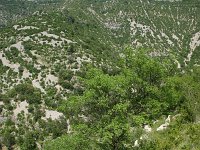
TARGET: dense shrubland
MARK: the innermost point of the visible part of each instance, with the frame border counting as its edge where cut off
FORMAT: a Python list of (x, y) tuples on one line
[(110, 112), (14, 10), (73, 60)]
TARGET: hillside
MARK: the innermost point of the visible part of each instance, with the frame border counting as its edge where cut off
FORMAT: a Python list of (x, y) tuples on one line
[(104, 74), (161, 26), (13, 10)]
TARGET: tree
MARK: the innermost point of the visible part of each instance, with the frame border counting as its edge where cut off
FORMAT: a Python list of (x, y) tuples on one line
[(29, 141), (112, 104), (27, 92), (105, 106), (78, 140), (7, 134)]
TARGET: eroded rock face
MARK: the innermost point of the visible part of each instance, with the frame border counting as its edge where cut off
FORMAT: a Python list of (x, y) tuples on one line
[(162, 127), (54, 115), (147, 128), (165, 125), (158, 25), (22, 106)]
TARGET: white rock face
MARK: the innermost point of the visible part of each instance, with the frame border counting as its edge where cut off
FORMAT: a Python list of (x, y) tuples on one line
[(50, 35), (55, 37), (59, 88), (36, 84), (7, 63), (16, 27), (134, 26), (68, 126), (136, 143), (167, 38), (165, 125), (22, 106), (55, 40), (147, 128), (18, 45), (26, 73), (51, 114), (178, 64), (162, 127), (51, 78), (175, 37), (168, 120), (195, 42)]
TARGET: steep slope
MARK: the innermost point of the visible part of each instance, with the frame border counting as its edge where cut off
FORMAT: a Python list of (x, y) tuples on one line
[(13, 10), (38, 48), (161, 26), (41, 59), (43, 56)]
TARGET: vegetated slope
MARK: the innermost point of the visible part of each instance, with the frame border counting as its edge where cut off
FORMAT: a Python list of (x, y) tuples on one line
[(41, 58), (48, 42), (157, 25), (161, 26), (44, 56), (13, 10)]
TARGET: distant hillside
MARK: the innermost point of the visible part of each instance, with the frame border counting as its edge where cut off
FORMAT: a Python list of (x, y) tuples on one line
[(158, 25), (13, 10), (99, 74)]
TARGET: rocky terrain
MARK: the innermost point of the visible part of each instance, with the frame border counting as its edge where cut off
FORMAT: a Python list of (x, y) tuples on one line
[(47, 50)]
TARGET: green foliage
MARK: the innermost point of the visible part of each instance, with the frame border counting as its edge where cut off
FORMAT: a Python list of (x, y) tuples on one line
[(107, 104), (70, 142), (29, 141), (14, 51), (111, 104), (11, 9), (65, 75), (8, 137), (29, 93), (182, 136)]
